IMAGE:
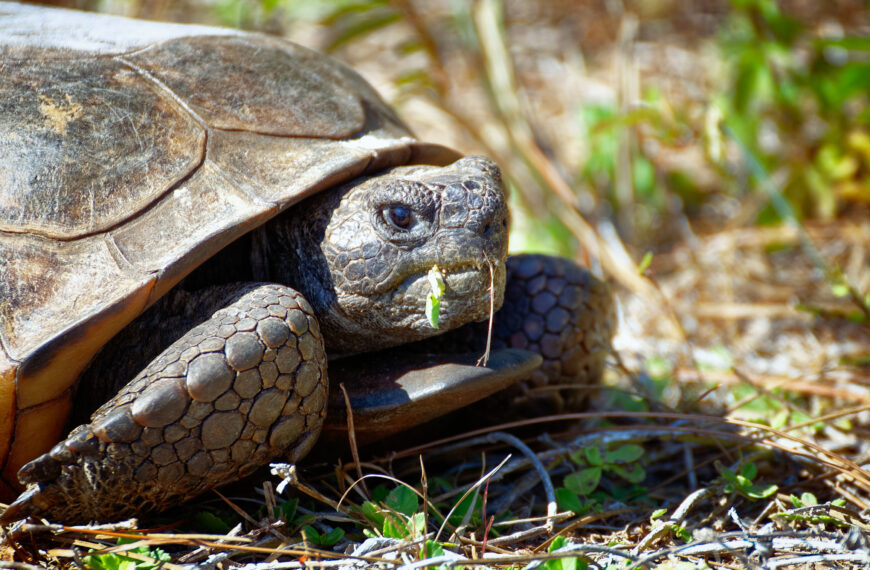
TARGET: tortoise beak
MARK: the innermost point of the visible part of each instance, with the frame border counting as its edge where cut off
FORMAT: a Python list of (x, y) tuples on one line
[(395, 392)]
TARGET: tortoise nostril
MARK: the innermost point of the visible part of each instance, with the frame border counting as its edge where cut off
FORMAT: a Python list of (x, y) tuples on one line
[(493, 226)]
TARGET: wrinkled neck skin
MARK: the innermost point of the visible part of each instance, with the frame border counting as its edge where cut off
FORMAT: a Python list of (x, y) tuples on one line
[(360, 253)]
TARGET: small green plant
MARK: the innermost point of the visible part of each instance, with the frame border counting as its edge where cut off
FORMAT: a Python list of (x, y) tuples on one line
[(771, 408), (578, 491), (741, 483), (431, 549), (112, 561), (325, 540), (798, 105), (803, 511), (678, 530), (287, 509), (568, 563), (394, 513), (604, 126)]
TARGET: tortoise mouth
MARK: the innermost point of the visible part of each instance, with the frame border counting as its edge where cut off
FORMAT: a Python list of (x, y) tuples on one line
[(462, 279), (470, 289), (465, 279)]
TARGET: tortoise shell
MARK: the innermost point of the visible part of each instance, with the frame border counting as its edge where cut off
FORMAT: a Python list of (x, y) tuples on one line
[(132, 151)]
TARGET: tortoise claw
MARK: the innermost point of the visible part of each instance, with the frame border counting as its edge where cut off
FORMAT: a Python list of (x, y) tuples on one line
[(25, 505)]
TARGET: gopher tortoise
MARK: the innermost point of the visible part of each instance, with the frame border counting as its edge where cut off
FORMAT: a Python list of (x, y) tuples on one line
[(194, 219)]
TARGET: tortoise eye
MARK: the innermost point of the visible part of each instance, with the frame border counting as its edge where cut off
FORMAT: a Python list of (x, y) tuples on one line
[(398, 216)]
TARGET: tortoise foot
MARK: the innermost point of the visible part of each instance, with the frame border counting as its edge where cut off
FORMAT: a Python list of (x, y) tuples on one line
[(242, 389)]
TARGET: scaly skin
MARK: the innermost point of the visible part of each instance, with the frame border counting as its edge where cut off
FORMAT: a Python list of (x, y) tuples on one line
[(248, 385), (558, 309), (367, 281)]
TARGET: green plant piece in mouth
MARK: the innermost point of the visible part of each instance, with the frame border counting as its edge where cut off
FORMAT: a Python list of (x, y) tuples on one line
[(433, 300)]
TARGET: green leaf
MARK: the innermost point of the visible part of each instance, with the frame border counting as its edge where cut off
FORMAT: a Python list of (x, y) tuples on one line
[(760, 491), (624, 454), (379, 494), (417, 525), (645, 263), (332, 537), (657, 514), (326, 540), (643, 175), (809, 500), (557, 543), (749, 470), (840, 290), (633, 472), (725, 472), (593, 456), (100, 562), (413, 78), (402, 499), (682, 533), (431, 549), (569, 501), (436, 281), (310, 534), (342, 9), (394, 528), (433, 300), (471, 501), (856, 43), (570, 563), (120, 562), (583, 482), (288, 509), (433, 310), (373, 513)]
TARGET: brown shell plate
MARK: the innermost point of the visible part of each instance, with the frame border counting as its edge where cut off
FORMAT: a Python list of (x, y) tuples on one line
[(132, 151)]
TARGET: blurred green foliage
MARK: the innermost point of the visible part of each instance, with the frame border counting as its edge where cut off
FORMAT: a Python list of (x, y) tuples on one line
[(581, 492), (742, 482), (602, 128), (798, 103), (113, 561), (569, 563)]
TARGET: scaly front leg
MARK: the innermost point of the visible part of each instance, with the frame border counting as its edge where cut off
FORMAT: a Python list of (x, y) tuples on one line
[(246, 387)]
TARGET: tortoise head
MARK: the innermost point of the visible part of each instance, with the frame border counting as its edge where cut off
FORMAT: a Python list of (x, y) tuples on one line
[(361, 253)]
